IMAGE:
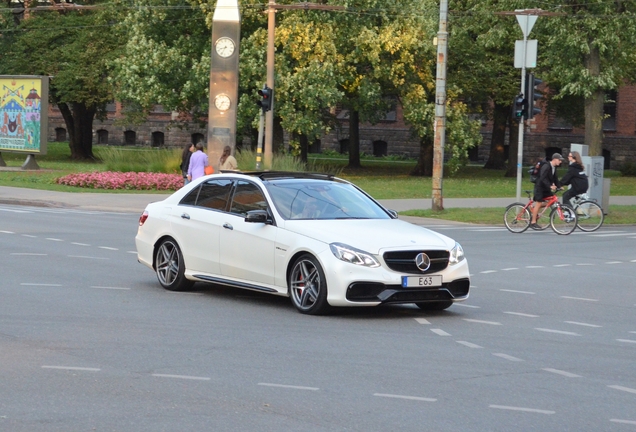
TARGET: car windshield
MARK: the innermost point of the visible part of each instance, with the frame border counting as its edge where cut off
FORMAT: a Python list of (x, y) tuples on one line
[(320, 199)]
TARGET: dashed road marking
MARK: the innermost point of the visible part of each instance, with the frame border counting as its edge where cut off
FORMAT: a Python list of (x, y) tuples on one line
[(562, 265), (507, 357), (73, 368), (54, 239), (469, 344), (621, 388), (579, 298), (417, 398), (186, 377), (289, 386), (582, 324), (558, 332), (40, 284), (466, 305), (29, 236), (80, 244), (517, 291), (584, 264), (614, 262), (532, 410), (422, 320), (564, 373), (110, 288), (7, 232), (630, 422), (510, 268), (27, 254), (86, 257), (488, 271), (108, 248), (522, 314), (481, 321), (440, 332), (626, 340), (535, 267)]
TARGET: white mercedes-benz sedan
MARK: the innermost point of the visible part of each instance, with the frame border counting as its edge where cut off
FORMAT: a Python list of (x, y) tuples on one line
[(316, 238)]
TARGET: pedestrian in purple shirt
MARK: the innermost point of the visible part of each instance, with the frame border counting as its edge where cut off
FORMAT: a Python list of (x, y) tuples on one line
[(198, 162)]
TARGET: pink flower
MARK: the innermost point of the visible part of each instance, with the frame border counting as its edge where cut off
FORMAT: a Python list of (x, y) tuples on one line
[(127, 181)]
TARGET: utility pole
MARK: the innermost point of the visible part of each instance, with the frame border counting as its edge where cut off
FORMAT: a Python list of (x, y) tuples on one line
[(271, 33), (440, 109)]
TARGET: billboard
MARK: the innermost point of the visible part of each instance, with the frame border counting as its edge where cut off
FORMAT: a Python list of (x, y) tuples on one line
[(24, 114)]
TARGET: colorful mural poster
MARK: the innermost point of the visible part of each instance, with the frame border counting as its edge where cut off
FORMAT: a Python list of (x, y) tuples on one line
[(23, 113)]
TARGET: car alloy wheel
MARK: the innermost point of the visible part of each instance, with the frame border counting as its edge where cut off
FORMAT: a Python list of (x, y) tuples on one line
[(308, 286), (170, 267)]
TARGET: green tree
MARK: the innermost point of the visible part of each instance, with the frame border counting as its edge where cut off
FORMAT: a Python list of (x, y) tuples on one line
[(72, 45)]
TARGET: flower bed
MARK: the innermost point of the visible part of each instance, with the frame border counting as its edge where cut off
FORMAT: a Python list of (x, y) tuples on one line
[(126, 181)]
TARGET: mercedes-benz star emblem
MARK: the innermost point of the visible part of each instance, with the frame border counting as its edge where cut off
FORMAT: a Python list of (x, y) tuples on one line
[(422, 261)]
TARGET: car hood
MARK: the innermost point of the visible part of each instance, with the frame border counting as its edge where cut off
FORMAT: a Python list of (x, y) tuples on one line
[(371, 235)]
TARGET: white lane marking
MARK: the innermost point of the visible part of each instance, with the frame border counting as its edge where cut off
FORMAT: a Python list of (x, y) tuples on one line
[(579, 298), (29, 236), (633, 261), (289, 386), (583, 324), (481, 321), (422, 320), (417, 398), (27, 254), (86, 369), (506, 356), (621, 388), (611, 235), (187, 377), (111, 288), (80, 244), (630, 422), (466, 305), (86, 257), (132, 252), (54, 239), (108, 248), (564, 373), (522, 314), (562, 265), (614, 262), (518, 292), (534, 267), (186, 293), (40, 284), (510, 268), (440, 332), (469, 344), (511, 408), (633, 332), (7, 232), (558, 332), (488, 271), (626, 340), (584, 264)]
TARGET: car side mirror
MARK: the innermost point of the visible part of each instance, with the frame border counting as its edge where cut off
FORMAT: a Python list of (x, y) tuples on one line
[(392, 213), (258, 216)]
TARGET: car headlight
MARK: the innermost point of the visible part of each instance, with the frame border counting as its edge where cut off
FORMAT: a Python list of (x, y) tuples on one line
[(456, 254), (352, 255)]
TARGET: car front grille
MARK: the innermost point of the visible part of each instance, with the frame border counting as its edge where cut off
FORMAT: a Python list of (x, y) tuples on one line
[(379, 292), (404, 261)]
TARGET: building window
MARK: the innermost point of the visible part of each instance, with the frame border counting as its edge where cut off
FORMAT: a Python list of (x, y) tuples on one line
[(609, 111), (130, 137), (102, 136), (157, 139), (60, 134), (379, 148), (197, 138), (314, 147), (344, 146)]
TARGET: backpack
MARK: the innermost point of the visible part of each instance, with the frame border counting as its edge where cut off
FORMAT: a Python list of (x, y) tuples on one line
[(534, 171)]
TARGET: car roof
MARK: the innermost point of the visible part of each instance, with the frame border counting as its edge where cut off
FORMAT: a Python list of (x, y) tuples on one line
[(286, 175)]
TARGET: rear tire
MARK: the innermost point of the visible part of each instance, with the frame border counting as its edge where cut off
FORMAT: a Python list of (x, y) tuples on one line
[(516, 218), (434, 306), (170, 267), (307, 286), (590, 216), (566, 225)]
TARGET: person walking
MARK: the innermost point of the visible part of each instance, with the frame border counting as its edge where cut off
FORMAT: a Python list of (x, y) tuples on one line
[(227, 161), (198, 162), (185, 162), (575, 177), (546, 185)]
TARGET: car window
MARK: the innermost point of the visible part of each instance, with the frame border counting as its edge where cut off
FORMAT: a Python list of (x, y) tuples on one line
[(214, 194), (247, 196), (309, 199), (191, 197)]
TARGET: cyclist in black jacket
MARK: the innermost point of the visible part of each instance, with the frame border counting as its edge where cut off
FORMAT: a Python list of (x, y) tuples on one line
[(547, 183), (575, 177)]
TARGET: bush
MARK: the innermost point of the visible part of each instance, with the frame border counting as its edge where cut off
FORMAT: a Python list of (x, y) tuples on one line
[(628, 169), (140, 160)]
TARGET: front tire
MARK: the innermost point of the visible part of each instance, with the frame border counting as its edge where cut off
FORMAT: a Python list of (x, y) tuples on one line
[(565, 225), (517, 218), (434, 306), (308, 286), (170, 267)]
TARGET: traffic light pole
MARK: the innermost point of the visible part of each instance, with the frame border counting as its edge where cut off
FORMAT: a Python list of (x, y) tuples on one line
[(440, 110), (521, 123)]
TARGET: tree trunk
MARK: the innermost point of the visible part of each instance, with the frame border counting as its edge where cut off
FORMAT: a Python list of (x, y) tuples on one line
[(501, 115), (513, 143), (424, 166), (354, 139), (79, 124), (594, 107), (304, 145)]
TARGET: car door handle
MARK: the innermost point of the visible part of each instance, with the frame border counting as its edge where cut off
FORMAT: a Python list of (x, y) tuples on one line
[(228, 226), (185, 216)]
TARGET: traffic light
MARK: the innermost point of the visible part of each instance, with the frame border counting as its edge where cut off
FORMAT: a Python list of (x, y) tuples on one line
[(532, 95), (518, 107), (266, 95)]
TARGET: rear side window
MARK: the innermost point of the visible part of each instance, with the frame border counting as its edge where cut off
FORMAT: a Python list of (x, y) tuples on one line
[(247, 196), (213, 194)]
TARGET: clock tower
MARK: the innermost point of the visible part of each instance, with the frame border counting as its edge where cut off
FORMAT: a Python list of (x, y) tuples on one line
[(226, 29)]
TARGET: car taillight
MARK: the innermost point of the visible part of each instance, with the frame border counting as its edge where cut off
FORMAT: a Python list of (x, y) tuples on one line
[(143, 217)]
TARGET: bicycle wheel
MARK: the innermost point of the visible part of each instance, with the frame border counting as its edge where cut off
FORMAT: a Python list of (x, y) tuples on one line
[(590, 216), (517, 218), (563, 222)]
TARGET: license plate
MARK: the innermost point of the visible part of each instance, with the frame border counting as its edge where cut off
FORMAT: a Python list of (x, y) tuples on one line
[(421, 281)]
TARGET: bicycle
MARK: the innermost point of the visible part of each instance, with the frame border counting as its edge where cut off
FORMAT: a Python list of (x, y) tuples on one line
[(562, 217), (589, 214)]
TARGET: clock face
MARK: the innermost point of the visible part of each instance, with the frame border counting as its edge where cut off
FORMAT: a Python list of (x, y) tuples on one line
[(224, 46), (222, 102)]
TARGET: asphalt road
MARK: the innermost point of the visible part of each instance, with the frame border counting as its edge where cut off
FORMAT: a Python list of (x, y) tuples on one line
[(89, 341)]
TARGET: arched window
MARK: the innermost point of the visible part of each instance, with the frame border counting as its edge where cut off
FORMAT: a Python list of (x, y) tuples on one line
[(197, 138), (102, 136), (607, 155), (157, 139), (60, 134), (379, 148), (130, 137)]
